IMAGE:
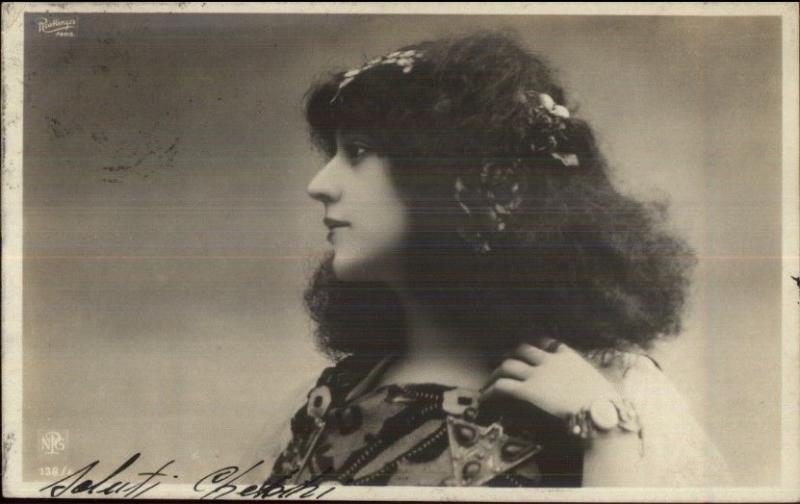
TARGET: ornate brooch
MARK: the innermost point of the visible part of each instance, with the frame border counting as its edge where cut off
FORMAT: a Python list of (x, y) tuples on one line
[(482, 453)]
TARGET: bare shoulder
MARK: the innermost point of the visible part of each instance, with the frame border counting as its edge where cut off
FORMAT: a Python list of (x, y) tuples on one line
[(639, 378), (675, 449), (620, 366)]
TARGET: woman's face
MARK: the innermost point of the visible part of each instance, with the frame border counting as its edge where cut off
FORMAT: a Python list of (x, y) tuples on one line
[(365, 215)]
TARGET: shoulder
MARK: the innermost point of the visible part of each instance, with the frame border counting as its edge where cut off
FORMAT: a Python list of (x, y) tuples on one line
[(676, 451), (341, 378), (624, 368), (290, 420), (277, 431), (640, 380)]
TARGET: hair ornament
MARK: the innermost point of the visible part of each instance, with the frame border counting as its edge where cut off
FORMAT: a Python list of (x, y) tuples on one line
[(548, 123), (490, 196), (546, 101), (404, 59), (489, 199)]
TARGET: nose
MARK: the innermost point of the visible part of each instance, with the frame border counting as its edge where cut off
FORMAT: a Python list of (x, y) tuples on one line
[(323, 186)]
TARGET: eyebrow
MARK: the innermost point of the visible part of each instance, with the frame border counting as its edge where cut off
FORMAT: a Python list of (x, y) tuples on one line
[(356, 136)]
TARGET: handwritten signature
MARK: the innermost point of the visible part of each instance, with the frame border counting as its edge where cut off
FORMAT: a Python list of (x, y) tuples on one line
[(222, 482), (216, 484)]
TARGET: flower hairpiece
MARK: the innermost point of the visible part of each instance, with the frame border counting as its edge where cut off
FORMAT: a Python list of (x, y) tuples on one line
[(491, 197), (550, 105), (548, 121), (404, 59)]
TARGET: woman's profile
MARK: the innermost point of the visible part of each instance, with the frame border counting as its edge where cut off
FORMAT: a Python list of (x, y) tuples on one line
[(488, 297)]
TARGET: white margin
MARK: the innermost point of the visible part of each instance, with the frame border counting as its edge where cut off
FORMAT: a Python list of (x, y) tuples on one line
[(12, 262), (12, 228), (790, 323)]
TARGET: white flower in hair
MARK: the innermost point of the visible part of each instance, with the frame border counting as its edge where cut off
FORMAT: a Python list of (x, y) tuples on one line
[(551, 106)]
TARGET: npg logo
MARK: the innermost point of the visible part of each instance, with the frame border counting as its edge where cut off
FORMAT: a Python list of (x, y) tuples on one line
[(53, 442)]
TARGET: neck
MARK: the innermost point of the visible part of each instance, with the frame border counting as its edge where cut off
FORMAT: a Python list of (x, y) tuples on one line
[(435, 353)]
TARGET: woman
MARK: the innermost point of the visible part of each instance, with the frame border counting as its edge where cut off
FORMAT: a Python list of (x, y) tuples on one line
[(489, 296)]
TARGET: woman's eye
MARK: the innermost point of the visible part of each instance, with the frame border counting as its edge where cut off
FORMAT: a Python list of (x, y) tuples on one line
[(356, 152)]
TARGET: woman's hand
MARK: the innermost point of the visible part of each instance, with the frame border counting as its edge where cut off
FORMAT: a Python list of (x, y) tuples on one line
[(560, 382)]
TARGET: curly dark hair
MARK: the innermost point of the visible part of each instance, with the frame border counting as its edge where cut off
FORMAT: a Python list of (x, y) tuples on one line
[(579, 261)]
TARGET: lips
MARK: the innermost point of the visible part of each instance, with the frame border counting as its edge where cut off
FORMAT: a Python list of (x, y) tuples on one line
[(332, 224)]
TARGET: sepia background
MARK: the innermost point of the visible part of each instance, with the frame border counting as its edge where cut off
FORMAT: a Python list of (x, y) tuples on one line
[(168, 235)]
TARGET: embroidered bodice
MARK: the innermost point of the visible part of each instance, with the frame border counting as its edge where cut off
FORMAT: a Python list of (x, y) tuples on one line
[(427, 434)]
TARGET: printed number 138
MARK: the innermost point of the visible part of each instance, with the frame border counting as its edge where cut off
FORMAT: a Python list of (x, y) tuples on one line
[(54, 471)]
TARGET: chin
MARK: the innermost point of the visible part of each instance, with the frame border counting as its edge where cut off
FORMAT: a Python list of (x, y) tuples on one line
[(359, 269), (350, 270)]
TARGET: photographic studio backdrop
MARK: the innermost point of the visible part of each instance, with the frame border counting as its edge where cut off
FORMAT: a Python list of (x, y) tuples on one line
[(168, 236)]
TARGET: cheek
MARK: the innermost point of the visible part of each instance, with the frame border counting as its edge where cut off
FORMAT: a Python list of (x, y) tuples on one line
[(396, 221), (385, 228), (383, 216), (388, 215)]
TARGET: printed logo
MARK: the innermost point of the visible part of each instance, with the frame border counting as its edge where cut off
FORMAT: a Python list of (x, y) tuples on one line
[(57, 26), (53, 442)]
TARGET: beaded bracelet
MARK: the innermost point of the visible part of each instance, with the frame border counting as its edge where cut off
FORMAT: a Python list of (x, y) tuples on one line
[(596, 418)]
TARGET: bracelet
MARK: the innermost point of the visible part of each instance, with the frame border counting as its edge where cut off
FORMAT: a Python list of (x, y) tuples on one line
[(604, 415)]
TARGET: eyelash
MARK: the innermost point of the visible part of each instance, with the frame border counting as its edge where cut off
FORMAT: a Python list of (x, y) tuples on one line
[(356, 151)]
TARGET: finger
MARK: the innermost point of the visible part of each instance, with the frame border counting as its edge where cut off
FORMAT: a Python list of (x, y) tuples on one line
[(501, 387), (562, 347), (511, 368), (548, 344), (530, 354)]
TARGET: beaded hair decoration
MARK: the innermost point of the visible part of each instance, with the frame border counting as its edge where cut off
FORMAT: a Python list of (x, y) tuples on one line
[(404, 59), (490, 196)]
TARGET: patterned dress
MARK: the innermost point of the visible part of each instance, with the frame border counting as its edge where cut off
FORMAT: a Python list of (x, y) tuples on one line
[(352, 432), (421, 434)]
